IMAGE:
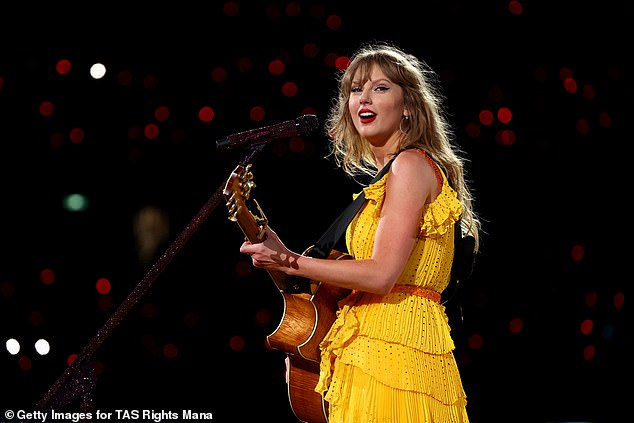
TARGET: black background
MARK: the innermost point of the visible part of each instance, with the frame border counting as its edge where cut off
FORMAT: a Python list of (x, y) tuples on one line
[(554, 188)]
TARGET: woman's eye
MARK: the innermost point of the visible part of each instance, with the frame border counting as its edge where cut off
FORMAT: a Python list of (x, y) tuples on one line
[(382, 88), (355, 90)]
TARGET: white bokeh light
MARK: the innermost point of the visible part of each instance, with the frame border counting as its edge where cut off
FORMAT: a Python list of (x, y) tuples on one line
[(13, 346), (97, 71), (42, 346)]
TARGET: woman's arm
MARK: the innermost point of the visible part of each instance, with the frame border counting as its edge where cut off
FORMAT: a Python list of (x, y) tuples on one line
[(411, 184)]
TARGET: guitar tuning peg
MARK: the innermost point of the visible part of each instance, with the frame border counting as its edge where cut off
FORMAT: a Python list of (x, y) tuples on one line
[(234, 209), (246, 173)]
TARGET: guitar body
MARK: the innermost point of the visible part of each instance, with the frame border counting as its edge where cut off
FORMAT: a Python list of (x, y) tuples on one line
[(301, 378), (304, 324), (307, 318), (310, 308), (305, 321)]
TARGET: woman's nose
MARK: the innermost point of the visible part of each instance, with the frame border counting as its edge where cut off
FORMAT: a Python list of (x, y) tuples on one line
[(365, 97)]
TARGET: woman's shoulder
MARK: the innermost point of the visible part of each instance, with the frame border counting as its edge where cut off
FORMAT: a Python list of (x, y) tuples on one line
[(415, 164)]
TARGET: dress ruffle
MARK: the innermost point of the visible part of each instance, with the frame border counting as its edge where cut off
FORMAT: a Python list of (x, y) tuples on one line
[(407, 369), (344, 329), (440, 215), (375, 193), (370, 333), (367, 400)]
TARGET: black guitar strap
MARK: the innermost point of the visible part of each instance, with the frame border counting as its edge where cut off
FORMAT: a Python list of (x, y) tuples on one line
[(333, 238)]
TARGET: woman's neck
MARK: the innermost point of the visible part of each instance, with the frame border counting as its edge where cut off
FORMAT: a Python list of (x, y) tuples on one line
[(383, 154)]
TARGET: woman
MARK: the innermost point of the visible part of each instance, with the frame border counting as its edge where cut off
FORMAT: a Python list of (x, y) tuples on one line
[(388, 356)]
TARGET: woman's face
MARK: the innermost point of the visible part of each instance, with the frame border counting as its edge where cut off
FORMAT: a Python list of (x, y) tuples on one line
[(376, 107)]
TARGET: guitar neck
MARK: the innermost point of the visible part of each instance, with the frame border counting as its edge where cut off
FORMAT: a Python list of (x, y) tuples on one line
[(282, 281), (237, 191)]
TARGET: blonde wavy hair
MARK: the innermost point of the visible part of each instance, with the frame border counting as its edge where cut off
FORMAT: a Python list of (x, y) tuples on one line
[(426, 128)]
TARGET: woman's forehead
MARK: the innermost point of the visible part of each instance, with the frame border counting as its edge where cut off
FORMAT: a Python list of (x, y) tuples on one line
[(368, 71)]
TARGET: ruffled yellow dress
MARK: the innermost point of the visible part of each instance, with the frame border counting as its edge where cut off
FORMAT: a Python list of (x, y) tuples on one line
[(389, 358)]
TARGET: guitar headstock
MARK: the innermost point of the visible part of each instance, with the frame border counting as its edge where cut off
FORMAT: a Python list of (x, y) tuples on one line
[(237, 193)]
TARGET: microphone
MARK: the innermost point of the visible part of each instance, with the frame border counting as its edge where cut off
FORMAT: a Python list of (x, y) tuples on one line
[(303, 125)]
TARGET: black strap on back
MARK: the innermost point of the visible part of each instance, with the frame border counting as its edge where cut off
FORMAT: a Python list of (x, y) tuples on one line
[(334, 238)]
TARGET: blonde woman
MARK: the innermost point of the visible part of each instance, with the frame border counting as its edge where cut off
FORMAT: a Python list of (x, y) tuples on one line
[(388, 357)]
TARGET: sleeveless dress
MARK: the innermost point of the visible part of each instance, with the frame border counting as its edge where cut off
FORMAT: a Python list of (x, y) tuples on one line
[(389, 358)]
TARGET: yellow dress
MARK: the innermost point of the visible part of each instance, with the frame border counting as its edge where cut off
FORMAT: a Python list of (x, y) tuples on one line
[(389, 358)]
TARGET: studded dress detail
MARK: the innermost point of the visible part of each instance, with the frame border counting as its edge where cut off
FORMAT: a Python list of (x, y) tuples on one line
[(389, 358)]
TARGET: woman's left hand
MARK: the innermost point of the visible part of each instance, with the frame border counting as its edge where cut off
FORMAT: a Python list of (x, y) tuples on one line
[(270, 254)]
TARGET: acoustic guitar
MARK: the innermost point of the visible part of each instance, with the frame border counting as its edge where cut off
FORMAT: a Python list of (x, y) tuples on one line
[(309, 306)]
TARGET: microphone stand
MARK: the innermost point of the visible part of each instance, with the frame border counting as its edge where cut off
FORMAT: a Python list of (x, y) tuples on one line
[(78, 380)]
